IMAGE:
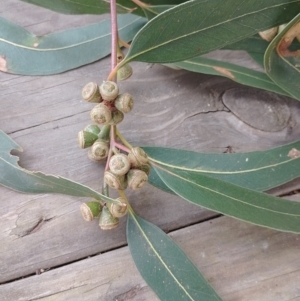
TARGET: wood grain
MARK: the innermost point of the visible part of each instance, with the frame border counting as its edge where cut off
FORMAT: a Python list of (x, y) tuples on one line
[(172, 108), (242, 262)]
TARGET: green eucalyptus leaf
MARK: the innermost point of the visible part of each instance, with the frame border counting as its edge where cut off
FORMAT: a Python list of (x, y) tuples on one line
[(232, 200), (255, 46), (153, 11), (259, 170), (157, 182), (93, 7), (237, 73), (152, 7), (96, 7), (26, 54), (163, 265), (197, 27), (283, 64), (17, 178), (164, 2)]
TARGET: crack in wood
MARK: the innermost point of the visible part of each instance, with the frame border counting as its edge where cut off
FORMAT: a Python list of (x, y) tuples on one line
[(128, 295), (56, 293), (51, 121), (36, 227)]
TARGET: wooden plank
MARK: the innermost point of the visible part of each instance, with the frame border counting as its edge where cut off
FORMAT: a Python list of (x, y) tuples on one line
[(241, 261), (45, 231), (44, 114), (49, 140)]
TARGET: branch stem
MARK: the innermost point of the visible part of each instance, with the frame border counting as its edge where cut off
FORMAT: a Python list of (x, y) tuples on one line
[(123, 140), (121, 147), (114, 71), (123, 195), (114, 34)]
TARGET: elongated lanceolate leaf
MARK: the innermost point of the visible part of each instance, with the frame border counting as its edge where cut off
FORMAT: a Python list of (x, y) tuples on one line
[(152, 7), (283, 64), (24, 53), (96, 7), (237, 73), (197, 27), (164, 266), (20, 179), (260, 170), (93, 7), (232, 200), (154, 10), (255, 46), (157, 182)]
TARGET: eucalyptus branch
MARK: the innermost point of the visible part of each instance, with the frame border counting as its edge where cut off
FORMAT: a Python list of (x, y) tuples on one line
[(114, 34), (123, 140), (114, 71), (123, 195)]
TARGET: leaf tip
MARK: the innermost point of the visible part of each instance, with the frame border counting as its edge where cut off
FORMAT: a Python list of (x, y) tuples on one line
[(3, 64)]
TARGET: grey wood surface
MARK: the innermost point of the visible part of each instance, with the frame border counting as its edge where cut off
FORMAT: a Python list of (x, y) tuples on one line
[(172, 108), (241, 261)]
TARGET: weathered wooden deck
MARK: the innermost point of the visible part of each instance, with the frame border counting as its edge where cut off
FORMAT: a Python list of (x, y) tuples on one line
[(48, 252)]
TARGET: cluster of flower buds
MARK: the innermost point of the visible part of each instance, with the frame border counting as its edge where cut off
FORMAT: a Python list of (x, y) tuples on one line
[(108, 214), (97, 139), (130, 170), (111, 105)]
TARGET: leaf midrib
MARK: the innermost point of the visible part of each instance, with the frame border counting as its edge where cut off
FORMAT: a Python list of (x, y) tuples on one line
[(218, 172), (159, 257), (225, 195), (65, 47), (197, 31), (34, 174)]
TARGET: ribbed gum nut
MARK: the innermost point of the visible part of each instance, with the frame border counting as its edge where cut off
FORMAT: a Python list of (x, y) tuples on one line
[(145, 167), (99, 150), (109, 90), (117, 117), (92, 128), (119, 164), (118, 210), (137, 157), (90, 210), (136, 178), (90, 93), (115, 181), (86, 139), (124, 102), (101, 114), (124, 72), (107, 221)]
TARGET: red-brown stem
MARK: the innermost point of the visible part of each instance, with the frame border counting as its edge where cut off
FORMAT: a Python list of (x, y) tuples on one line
[(111, 144), (121, 147), (110, 152), (114, 45), (114, 143), (114, 34), (113, 72)]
